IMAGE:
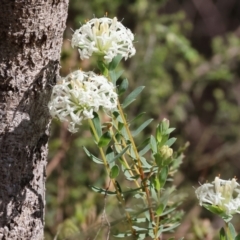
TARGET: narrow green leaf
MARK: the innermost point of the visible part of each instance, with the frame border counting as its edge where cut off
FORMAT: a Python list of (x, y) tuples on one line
[(145, 150), (123, 235), (97, 124), (164, 125), (102, 67), (170, 130), (114, 171), (167, 211), (137, 117), (160, 209), (115, 76), (132, 190), (158, 159), (173, 226), (115, 61), (232, 231), (170, 141), (124, 133), (219, 211), (122, 87), (102, 191), (153, 144), (222, 234), (157, 184), (139, 220), (120, 154), (144, 125), (92, 157), (145, 163), (153, 193), (139, 228), (132, 96), (163, 176), (237, 237), (104, 139), (159, 133), (109, 154), (120, 125)]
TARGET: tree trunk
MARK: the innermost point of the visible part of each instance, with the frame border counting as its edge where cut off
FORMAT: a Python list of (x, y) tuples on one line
[(30, 43)]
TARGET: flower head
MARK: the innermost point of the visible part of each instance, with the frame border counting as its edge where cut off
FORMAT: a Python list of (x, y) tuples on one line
[(166, 151), (223, 195), (75, 97), (105, 37)]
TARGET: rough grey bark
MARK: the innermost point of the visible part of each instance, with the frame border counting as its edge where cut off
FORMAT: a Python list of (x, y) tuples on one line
[(30, 43)]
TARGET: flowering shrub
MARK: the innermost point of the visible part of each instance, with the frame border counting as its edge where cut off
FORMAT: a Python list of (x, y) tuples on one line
[(148, 168)]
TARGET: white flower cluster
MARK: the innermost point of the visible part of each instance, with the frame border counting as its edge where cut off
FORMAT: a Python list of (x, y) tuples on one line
[(105, 37), (78, 95), (225, 194)]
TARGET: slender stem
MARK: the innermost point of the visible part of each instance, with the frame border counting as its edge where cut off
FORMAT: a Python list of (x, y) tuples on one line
[(126, 163), (119, 195), (138, 162)]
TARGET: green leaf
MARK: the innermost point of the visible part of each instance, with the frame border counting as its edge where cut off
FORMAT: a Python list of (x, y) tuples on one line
[(123, 235), (163, 176), (145, 163), (137, 117), (170, 130), (232, 231), (132, 190), (102, 191), (114, 171), (217, 210), (157, 184), (109, 154), (159, 133), (153, 144), (104, 139), (144, 125), (173, 226), (145, 150), (115, 61), (165, 125), (170, 141), (132, 96), (120, 154), (115, 76), (92, 157), (160, 209), (237, 237), (102, 67), (122, 87), (167, 211), (222, 234), (124, 133), (97, 124), (158, 159), (153, 193)]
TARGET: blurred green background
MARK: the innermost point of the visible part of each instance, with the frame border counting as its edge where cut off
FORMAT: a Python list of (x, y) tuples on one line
[(188, 57)]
